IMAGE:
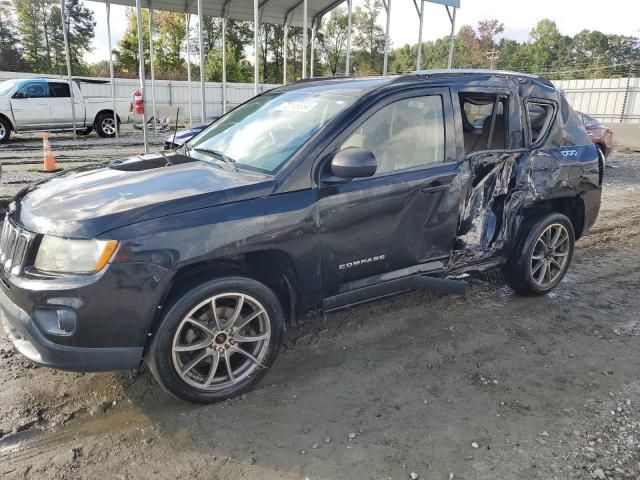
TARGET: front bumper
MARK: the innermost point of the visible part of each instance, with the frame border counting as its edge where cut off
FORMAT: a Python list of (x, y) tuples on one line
[(110, 316), (31, 343)]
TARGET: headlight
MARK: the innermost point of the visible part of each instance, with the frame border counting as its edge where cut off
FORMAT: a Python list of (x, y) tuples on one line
[(63, 255)]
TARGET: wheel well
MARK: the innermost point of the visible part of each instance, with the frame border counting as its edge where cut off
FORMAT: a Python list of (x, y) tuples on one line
[(274, 268), (573, 208), (110, 112), (4, 117)]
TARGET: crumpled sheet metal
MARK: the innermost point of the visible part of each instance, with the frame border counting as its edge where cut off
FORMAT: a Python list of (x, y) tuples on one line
[(499, 185)]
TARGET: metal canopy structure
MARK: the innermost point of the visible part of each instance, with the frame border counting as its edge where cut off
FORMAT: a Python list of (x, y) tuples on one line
[(270, 11), (300, 13)]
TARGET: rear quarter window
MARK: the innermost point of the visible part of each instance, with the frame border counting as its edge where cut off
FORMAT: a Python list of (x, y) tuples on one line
[(540, 116)]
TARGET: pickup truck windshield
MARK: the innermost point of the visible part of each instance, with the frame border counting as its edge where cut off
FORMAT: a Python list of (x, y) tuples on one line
[(5, 87), (264, 132)]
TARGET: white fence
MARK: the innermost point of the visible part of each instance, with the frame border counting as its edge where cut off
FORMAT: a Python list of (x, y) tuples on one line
[(168, 93), (611, 100)]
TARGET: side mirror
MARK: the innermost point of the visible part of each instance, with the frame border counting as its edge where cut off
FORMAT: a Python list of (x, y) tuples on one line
[(351, 163), (20, 95)]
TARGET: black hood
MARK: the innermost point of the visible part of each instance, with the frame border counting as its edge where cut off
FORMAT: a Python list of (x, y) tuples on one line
[(85, 202)]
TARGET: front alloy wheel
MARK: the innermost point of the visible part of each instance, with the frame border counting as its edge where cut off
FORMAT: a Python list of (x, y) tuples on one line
[(217, 339), (221, 341)]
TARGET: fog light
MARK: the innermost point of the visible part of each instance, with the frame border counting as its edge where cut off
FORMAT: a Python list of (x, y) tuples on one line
[(57, 321)]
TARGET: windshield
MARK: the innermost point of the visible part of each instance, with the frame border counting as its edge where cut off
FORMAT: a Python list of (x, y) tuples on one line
[(264, 132), (5, 87)]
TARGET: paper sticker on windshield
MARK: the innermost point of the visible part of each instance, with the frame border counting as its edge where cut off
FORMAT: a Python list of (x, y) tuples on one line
[(302, 107)]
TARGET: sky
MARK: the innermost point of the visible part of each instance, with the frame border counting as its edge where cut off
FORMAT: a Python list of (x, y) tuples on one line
[(571, 16)]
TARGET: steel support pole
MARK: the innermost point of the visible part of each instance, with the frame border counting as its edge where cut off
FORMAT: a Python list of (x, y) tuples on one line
[(256, 27), (224, 65), (453, 32), (153, 71), (284, 52), (188, 24), (304, 39), (203, 106), (419, 56), (111, 76), (68, 55), (313, 40), (347, 65), (386, 37), (141, 74)]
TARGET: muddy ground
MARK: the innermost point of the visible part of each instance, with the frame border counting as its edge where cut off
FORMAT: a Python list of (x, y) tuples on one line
[(487, 386)]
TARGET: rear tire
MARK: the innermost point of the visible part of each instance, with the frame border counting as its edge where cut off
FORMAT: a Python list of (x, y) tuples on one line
[(5, 130), (542, 254), (105, 126), (217, 340)]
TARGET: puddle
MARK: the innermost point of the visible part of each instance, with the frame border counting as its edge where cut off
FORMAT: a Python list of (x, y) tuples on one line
[(22, 446)]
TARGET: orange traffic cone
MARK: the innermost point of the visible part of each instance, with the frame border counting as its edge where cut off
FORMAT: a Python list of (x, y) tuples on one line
[(47, 156)]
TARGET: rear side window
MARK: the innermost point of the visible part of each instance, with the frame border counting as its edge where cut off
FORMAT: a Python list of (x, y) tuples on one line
[(404, 134), (59, 90), (539, 116), (484, 121)]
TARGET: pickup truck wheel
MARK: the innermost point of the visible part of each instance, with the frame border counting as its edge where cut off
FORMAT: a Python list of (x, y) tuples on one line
[(217, 340), (5, 130), (105, 125), (542, 255)]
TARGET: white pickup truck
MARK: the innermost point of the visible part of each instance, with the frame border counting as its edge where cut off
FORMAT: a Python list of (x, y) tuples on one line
[(43, 104)]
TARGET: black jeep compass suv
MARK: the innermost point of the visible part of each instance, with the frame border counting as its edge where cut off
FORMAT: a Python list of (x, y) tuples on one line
[(314, 196)]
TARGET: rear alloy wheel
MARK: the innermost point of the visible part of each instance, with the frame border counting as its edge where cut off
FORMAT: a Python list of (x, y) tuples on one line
[(542, 255), (218, 340), (5, 130), (106, 125), (550, 255)]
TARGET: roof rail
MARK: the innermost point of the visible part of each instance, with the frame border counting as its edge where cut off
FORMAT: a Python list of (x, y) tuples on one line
[(324, 77), (472, 71), (479, 71)]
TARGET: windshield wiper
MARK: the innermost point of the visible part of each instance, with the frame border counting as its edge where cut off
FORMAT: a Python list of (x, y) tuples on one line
[(227, 160)]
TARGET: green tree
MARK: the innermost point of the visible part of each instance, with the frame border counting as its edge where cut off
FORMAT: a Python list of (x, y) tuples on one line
[(237, 71), (369, 38), (127, 52), (403, 60), (171, 32), (333, 39), (40, 29), (31, 18), (10, 53)]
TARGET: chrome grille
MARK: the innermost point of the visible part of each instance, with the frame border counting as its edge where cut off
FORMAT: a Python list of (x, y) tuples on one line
[(14, 245)]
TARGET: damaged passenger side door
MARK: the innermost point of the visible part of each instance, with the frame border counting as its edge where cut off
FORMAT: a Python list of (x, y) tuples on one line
[(493, 144)]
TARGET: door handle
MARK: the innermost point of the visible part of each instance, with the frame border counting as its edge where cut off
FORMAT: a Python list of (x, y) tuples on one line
[(434, 188)]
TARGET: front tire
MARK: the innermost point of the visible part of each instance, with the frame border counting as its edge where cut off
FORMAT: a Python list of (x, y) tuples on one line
[(5, 130), (218, 340), (542, 255)]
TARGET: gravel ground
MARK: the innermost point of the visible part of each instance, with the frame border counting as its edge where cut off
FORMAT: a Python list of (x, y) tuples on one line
[(491, 385)]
